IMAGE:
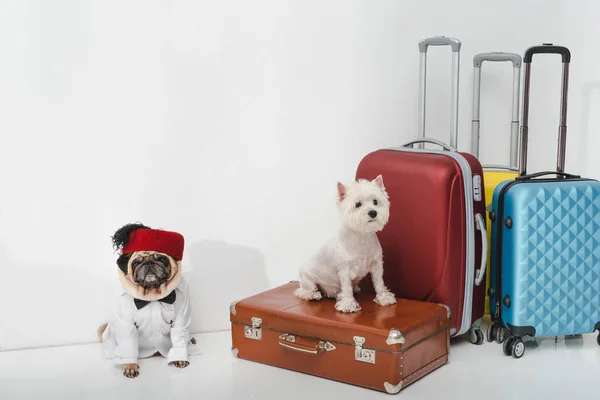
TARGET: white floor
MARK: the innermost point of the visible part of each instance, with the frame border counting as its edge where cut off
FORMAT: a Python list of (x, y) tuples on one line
[(568, 369)]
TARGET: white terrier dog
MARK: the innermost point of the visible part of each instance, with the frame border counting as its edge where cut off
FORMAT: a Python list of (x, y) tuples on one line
[(337, 268)]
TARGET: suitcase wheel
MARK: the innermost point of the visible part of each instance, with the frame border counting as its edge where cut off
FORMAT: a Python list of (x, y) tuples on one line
[(513, 346), (507, 346), (495, 332), (518, 348), (490, 333), (500, 334), (476, 336)]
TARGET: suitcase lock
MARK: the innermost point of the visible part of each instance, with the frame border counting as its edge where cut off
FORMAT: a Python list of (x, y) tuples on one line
[(360, 354), (254, 332)]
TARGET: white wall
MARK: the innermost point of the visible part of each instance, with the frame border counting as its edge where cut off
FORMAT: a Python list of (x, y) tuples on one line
[(231, 122)]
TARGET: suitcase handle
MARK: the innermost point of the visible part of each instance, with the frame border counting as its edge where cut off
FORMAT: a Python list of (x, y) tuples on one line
[(455, 44), (478, 60), (538, 174), (433, 141), (439, 41), (497, 56), (484, 249), (304, 345), (546, 48)]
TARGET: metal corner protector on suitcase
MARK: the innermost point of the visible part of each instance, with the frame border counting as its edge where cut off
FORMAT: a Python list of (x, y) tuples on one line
[(545, 259), (435, 243), (494, 174)]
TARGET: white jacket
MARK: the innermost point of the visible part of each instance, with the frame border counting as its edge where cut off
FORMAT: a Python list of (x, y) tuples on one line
[(156, 327)]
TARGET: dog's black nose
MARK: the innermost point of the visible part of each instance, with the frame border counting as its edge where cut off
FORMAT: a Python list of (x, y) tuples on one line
[(372, 213)]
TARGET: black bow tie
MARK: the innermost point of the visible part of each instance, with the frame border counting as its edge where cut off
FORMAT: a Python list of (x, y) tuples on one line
[(170, 299)]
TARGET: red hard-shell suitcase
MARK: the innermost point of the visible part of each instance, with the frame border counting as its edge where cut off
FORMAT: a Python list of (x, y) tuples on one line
[(435, 243)]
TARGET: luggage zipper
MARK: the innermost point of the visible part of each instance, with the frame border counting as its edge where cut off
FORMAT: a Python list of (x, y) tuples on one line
[(499, 230)]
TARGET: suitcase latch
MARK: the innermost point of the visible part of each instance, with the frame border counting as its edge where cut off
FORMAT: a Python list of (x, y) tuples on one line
[(254, 331), (360, 354)]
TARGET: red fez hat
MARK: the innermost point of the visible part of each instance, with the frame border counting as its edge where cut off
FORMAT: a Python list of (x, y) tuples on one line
[(166, 242)]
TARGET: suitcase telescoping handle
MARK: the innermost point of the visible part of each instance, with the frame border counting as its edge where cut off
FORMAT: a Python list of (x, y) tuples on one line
[(546, 48), (516, 61), (455, 45)]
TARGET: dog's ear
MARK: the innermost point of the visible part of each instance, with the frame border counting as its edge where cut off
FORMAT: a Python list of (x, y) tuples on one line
[(341, 191), (122, 262), (379, 181)]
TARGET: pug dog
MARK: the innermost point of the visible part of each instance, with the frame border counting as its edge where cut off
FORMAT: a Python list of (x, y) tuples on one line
[(152, 313)]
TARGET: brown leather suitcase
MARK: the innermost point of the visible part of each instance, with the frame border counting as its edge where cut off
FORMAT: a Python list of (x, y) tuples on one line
[(380, 348)]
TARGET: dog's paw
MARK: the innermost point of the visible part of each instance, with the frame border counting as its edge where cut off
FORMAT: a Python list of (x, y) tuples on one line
[(385, 299), (181, 364), (308, 295), (131, 370), (347, 305)]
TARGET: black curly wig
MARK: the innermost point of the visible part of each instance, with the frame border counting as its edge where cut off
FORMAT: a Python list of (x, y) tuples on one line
[(120, 239)]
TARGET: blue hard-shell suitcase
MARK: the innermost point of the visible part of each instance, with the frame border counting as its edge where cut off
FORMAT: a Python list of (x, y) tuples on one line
[(545, 259)]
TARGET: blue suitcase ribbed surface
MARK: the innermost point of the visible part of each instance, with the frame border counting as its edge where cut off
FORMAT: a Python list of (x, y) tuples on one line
[(550, 256)]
